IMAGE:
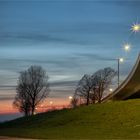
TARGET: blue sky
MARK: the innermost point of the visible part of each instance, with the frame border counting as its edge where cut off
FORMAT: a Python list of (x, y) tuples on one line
[(67, 38)]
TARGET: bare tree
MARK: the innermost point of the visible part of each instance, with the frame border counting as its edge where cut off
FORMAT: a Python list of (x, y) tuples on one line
[(84, 88), (102, 79), (32, 89), (92, 87)]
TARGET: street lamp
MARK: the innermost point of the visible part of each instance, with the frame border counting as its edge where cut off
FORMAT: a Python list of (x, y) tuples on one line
[(51, 102), (135, 27), (70, 97), (120, 60), (110, 89), (127, 47)]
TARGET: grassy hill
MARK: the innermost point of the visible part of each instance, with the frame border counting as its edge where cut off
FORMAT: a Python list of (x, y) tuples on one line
[(101, 121)]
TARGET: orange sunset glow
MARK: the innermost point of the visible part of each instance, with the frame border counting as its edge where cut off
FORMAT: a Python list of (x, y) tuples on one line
[(7, 107), (67, 39)]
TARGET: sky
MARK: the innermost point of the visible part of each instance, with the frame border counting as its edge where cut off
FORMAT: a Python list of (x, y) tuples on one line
[(68, 38)]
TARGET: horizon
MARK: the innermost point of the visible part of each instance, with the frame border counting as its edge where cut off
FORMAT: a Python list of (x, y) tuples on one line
[(67, 38)]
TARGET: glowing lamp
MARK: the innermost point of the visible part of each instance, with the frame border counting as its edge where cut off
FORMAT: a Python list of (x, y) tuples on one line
[(135, 27)]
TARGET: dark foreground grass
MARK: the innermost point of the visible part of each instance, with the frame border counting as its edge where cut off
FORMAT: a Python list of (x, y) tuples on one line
[(113, 120)]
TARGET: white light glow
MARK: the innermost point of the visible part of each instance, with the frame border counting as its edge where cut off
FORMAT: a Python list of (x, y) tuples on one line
[(135, 27), (121, 59), (127, 47), (51, 102), (70, 97), (110, 89)]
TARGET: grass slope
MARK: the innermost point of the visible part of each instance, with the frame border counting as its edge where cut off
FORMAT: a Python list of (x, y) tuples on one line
[(101, 121)]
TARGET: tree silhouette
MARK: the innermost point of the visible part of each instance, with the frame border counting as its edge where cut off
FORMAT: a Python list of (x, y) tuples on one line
[(91, 88), (84, 88), (101, 80), (32, 89)]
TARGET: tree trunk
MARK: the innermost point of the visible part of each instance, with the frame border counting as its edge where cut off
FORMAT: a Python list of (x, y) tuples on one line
[(33, 105), (33, 110), (26, 113), (99, 101), (87, 99)]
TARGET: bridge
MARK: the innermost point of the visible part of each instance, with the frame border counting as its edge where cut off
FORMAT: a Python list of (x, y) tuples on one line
[(130, 87)]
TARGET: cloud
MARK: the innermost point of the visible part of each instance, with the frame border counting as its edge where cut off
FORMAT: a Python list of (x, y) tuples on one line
[(67, 40), (6, 98), (6, 95), (29, 36), (96, 56), (7, 87), (36, 37), (63, 83), (78, 32), (55, 65)]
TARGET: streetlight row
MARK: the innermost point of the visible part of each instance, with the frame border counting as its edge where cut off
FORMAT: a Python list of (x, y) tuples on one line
[(135, 28), (127, 46), (51, 102)]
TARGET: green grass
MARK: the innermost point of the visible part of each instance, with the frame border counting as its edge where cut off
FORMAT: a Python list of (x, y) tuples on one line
[(113, 120)]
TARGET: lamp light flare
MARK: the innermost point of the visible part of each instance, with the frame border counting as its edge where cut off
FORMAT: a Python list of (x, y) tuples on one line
[(121, 59), (127, 47), (51, 102), (135, 27), (110, 89), (70, 97)]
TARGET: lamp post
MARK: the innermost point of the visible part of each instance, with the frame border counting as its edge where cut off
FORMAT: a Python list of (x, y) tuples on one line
[(118, 72), (70, 98), (51, 104), (119, 60)]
